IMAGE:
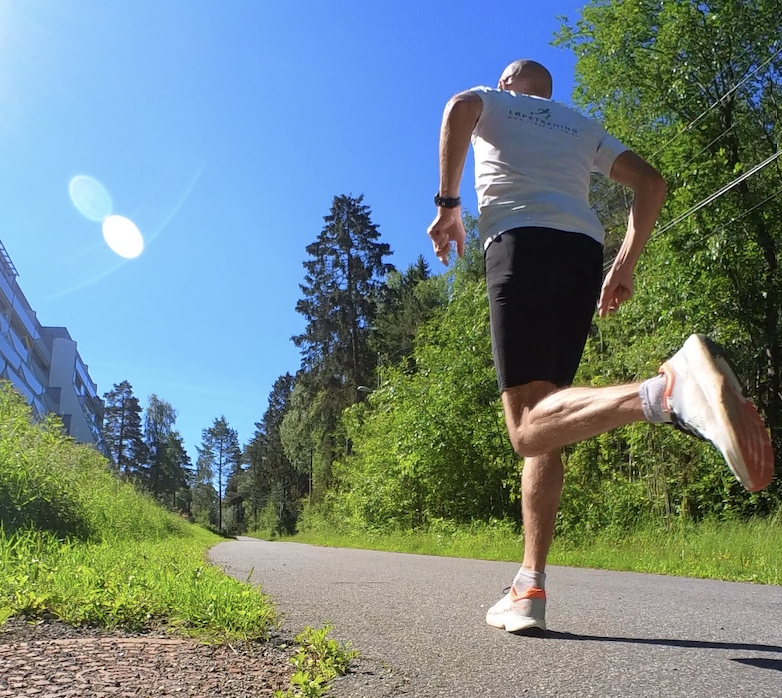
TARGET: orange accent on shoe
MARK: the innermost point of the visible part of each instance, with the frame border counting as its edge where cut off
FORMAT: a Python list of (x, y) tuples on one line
[(529, 593), (669, 378)]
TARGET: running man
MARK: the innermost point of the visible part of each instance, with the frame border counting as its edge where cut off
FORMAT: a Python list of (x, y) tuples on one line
[(543, 252)]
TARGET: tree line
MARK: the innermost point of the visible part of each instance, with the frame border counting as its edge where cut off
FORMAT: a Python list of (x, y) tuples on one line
[(393, 419), (146, 449)]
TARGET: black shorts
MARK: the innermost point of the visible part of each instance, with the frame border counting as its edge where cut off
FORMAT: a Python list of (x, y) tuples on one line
[(543, 290)]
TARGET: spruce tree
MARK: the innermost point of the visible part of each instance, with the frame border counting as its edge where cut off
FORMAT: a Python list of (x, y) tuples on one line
[(409, 301), (122, 431), (274, 480), (344, 280), (167, 460)]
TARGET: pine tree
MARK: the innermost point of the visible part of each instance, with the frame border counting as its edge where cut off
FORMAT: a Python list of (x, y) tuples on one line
[(122, 431), (220, 455)]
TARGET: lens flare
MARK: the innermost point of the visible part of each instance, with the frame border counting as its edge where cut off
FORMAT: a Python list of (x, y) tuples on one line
[(123, 237), (90, 198)]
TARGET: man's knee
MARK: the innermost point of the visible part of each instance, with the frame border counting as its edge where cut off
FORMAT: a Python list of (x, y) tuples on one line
[(518, 404), (523, 443)]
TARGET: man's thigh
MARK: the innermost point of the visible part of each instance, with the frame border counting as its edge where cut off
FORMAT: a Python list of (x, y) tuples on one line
[(543, 288)]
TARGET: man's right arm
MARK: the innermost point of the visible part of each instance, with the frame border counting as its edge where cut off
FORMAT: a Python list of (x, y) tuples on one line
[(634, 172), (459, 119)]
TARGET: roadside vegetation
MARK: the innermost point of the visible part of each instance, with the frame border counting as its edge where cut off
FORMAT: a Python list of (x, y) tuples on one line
[(79, 545)]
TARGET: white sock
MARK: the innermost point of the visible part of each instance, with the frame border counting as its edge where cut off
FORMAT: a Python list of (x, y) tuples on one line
[(525, 579), (651, 394)]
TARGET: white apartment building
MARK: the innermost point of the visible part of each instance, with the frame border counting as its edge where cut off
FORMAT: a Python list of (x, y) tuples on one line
[(43, 363)]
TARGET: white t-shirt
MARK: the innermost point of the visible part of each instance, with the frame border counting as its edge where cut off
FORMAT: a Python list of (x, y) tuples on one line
[(533, 159)]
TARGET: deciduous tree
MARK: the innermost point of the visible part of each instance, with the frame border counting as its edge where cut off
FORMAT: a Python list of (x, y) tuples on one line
[(168, 463)]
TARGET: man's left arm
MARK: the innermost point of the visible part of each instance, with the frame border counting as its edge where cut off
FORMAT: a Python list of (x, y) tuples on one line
[(459, 119)]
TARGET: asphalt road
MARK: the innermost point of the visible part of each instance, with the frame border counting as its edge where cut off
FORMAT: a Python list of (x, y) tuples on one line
[(418, 622)]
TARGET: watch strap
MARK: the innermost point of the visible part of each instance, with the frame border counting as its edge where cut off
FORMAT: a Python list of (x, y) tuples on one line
[(446, 201)]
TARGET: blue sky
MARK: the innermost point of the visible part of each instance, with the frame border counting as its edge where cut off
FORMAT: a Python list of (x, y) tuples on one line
[(223, 129)]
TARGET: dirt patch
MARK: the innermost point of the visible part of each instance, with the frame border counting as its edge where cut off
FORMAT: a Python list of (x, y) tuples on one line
[(55, 660)]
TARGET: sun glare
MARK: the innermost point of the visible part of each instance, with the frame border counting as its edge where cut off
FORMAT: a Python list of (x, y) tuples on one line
[(123, 237), (90, 198)]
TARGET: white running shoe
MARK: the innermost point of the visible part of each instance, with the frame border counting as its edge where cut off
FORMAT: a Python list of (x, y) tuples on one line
[(704, 399), (516, 612)]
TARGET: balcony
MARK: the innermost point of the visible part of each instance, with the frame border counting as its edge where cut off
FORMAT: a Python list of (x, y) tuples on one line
[(10, 354), (19, 384)]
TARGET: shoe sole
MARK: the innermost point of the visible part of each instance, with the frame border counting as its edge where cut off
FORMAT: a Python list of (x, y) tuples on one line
[(741, 436), (514, 624)]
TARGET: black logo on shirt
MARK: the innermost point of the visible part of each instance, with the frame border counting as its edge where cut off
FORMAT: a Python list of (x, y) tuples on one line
[(545, 113), (541, 117)]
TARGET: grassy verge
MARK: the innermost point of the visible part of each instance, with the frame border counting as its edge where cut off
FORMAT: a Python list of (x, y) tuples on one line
[(129, 584), (78, 545), (731, 550), (736, 551)]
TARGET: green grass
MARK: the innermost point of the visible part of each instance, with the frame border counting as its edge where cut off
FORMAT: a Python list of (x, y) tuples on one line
[(129, 584), (318, 661), (729, 550), (78, 545), (732, 550)]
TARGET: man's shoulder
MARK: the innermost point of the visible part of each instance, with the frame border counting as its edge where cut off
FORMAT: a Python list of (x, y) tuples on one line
[(484, 92), (524, 100), (493, 97)]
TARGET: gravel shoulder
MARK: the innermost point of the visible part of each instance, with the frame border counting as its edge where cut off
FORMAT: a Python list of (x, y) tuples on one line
[(56, 660)]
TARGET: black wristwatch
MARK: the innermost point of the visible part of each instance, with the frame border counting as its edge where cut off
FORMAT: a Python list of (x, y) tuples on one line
[(446, 202)]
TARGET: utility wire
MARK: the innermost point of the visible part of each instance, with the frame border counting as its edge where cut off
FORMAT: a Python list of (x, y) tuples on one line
[(716, 194), (709, 199), (702, 115), (735, 219), (714, 140), (720, 100)]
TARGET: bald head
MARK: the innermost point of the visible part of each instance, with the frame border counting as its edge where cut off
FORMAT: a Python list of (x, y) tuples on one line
[(528, 77)]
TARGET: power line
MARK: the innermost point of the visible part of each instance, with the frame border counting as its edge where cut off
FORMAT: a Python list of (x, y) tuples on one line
[(709, 199), (703, 114), (719, 101), (714, 140), (744, 213), (716, 194)]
